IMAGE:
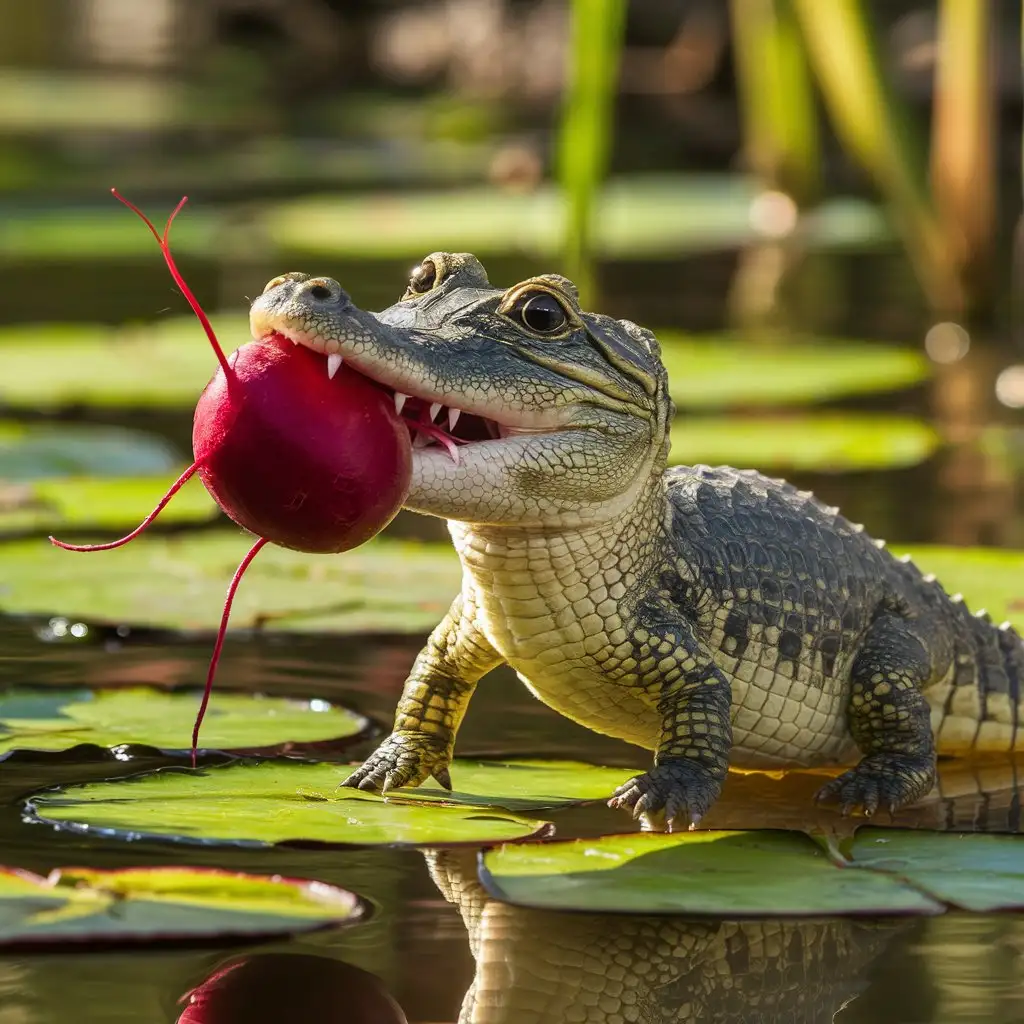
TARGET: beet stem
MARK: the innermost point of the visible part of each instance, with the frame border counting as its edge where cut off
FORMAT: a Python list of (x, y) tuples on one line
[(221, 632), (175, 487), (165, 248)]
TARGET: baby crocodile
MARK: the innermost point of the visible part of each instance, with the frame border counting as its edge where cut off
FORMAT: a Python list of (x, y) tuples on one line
[(712, 615)]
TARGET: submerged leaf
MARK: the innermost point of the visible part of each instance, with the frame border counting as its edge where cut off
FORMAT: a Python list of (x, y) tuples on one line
[(41, 719), (724, 874), (383, 585), (153, 904), (975, 872), (261, 803), (823, 443)]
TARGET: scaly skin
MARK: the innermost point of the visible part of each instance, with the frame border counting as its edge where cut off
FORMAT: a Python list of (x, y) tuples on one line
[(544, 967), (713, 616)]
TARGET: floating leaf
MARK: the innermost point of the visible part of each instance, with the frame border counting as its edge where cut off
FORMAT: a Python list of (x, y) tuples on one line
[(385, 584), (824, 443), (725, 874), (33, 452), (734, 370), (167, 364), (975, 872), (153, 904), (119, 504), (250, 803), (42, 719)]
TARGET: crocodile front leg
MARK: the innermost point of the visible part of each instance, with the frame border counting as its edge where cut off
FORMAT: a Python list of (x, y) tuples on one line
[(433, 703), (692, 758)]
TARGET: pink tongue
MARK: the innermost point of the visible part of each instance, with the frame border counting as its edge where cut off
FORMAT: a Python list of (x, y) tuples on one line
[(424, 427)]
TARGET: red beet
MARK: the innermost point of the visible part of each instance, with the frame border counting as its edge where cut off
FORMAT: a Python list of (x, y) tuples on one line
[(298, 458), (306, 462)]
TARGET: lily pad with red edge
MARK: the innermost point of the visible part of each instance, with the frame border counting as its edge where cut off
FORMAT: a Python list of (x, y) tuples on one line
[(162, 904), (277, 801), (721, 874), (41, 719)]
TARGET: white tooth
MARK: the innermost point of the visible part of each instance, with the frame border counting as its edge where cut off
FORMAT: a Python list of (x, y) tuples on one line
[(453, 417), (333, 365), (399, 401), (434, 410)]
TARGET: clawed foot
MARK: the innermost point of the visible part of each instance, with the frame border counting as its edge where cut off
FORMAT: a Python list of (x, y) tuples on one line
[(890, 781), (683, 790), (403, 759)]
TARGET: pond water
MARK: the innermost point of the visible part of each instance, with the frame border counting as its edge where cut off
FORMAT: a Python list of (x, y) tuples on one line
[(433, 935)]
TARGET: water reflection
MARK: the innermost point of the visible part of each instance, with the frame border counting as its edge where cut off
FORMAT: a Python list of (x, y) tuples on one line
[(278, 987), (542, 967)]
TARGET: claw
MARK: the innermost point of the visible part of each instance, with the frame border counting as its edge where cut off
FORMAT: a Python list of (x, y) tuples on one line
[(444, 777)]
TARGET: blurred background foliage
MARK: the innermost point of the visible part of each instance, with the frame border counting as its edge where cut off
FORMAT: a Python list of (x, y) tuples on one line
[(814, 204)]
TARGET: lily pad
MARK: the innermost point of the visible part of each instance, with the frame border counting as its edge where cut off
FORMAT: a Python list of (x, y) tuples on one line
[(824, 443), (262, 803), (384, 585), (34, 451), (975, 872), (736, 370), (733, 874), (168, 363), (42, 719), (99, 503), (154, 904)]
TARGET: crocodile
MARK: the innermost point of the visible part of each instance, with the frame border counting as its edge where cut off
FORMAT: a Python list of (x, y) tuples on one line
[(717, 617), (545, 967)]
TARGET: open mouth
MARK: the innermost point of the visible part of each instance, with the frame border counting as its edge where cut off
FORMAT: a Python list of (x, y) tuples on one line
[(430, 424)]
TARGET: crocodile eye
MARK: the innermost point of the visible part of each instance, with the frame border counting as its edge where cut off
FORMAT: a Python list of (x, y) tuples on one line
[(423, 278), (542, 314)]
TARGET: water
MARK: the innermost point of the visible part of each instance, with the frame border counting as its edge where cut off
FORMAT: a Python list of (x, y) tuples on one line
[(530, 965)]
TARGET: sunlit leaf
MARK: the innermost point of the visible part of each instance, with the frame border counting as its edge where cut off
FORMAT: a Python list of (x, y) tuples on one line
[(260, 803), (153, 904), (99, 503), (823, 443), (732, 874), (718, 371), (976, 872), (383, 585), (43, 719)]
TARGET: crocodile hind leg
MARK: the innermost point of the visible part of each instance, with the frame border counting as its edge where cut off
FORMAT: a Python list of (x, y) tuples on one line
[(890, 721)]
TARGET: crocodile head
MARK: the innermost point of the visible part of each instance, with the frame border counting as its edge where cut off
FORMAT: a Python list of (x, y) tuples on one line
[(560, 417)]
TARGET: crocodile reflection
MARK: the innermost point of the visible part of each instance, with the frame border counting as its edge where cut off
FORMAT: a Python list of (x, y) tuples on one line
[(543, 967)]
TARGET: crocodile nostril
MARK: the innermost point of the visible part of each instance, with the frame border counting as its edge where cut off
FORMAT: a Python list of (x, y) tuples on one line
[(321, 292)]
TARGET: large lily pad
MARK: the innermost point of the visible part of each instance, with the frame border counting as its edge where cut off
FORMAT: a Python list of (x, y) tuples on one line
[(383, 585), (824, 443), (734, 874), (280, 801), (35, 451), (40, 719), (735, 370), (168, 363), (153, 904), (79, 503), (974, 872)]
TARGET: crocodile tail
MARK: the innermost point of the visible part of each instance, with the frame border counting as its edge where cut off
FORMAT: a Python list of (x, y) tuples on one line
[(977, 708)]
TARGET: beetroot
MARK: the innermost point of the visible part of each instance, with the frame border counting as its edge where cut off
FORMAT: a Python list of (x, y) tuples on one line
[(299, 457)]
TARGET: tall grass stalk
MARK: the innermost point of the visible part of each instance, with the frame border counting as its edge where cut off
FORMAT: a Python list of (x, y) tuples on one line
[(587, 128)]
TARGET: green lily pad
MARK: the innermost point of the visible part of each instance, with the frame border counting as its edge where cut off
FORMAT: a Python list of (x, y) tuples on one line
[(167, 364), (824, 443), (736, 370), (385, 584), (154, 904), (262, 803), (86, 503), (975, 872), (733, 874), (41, 719), (33, 452)]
